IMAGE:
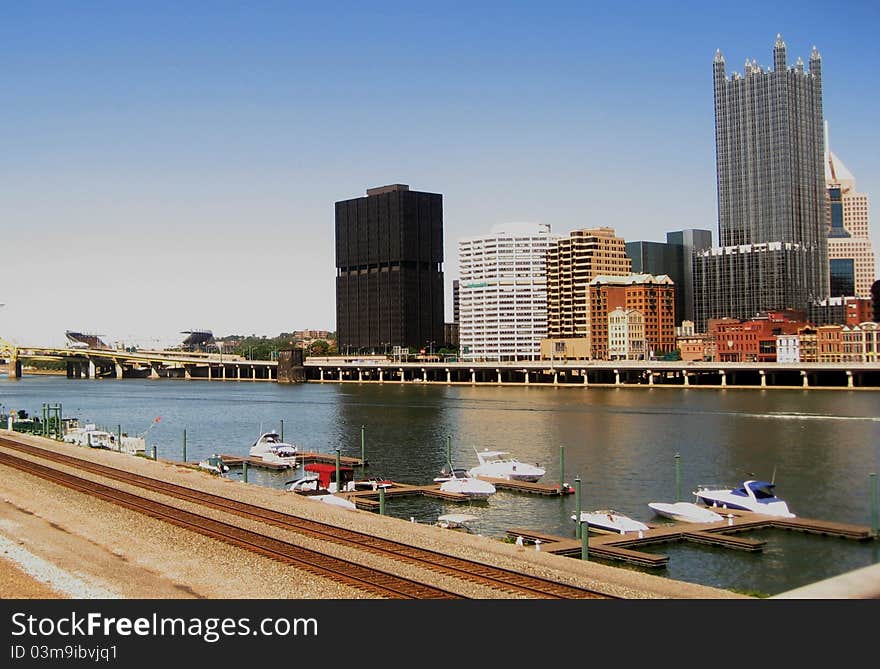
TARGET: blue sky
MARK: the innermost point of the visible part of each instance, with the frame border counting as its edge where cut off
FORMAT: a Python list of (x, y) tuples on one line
[(169, 166)]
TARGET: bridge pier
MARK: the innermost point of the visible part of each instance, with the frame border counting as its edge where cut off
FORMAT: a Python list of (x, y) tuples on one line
[(586, 378), (187, 373), (723, 377), (526, 372), (448, 376), (473, 376), (687, 379), (806, 380), (154, 372), (763, 378), (849, 379), (118, 370), (616, 377), (498, 371), (381, 375), (650, 377), (402, 375)]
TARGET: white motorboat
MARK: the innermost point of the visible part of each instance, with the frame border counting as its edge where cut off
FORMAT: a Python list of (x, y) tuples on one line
[(214, 464), (687, 512), (501, 465), (755, 496), (271, 449), (609, 520), (315, 484), (89, 435), (459, 481)]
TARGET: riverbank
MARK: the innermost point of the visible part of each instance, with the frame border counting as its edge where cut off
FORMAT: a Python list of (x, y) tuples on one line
[(114, 551)]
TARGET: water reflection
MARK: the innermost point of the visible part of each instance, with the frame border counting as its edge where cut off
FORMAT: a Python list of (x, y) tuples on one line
[(819, 446)]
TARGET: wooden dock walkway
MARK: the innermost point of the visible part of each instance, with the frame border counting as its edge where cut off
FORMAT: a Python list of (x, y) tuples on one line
[(526, 486), (301, 459), (369, 499), (621, 547)]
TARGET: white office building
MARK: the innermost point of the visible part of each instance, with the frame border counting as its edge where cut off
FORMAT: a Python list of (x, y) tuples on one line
[(503, 292)]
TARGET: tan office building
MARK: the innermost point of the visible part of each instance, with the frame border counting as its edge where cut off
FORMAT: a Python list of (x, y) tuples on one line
[(572, 262)]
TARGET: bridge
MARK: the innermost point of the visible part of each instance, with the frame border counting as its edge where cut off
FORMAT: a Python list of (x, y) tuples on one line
[(599, 373), (95, 363), (120, 364)]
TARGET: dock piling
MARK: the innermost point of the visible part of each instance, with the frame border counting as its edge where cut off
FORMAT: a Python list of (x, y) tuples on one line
[(381, 501), (184, 444), (155, 456), (338, 482), (677, 477), (577, 504), (875, 493), (282, 429), (562, 469), (363, 459), (244, 470), (449, 452)]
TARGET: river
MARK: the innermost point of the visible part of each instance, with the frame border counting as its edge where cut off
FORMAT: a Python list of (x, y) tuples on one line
[(819, 446)]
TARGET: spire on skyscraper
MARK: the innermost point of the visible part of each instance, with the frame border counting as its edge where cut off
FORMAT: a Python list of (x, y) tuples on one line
[(718, 57), (779, 54)]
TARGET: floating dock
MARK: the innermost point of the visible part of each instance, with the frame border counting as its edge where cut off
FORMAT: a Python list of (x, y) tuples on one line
[(621, 547), (301, 459), (525, 486)]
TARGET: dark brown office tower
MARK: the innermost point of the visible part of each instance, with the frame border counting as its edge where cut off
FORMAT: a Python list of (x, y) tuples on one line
[(389, 276)]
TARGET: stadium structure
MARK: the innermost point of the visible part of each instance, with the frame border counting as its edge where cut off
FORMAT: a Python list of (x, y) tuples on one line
[(198, 340), (85, 340)]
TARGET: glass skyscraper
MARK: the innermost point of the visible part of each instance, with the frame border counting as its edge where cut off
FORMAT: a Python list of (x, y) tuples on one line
[(771, 191)]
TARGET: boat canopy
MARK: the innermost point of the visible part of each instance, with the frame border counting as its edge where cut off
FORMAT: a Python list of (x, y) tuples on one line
[(457, 518), (327, 473), (763, 490)]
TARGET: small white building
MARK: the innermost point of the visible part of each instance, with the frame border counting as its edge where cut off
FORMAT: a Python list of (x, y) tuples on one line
[(788, 348), (626, 334)]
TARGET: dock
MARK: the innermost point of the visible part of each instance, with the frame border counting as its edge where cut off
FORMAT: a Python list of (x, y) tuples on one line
[(623, 547), (301, 459), (369, 499), (525, 486)]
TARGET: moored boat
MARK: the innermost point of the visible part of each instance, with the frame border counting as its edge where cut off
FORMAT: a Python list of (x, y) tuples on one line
[(608, 520), (270, 448), (752, 495), (687, 512), (502, 465), (459, 481)]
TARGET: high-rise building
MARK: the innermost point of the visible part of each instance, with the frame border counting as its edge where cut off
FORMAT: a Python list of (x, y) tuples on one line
[(572, 262), (771, 192), (850, 254), (675, 258), (503, 292), (689, 242), (389, 277)]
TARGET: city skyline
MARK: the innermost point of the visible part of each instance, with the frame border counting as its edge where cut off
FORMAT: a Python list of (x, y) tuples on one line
[(158, 162)]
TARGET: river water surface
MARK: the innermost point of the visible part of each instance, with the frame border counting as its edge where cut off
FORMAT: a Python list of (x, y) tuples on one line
[(819, 446)]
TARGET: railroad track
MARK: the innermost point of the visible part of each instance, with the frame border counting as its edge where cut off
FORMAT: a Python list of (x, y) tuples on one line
[(469, 570), (343, 571)]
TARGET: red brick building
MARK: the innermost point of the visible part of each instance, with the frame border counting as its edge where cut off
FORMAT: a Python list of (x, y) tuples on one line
[(752, 340), (653, 296)]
